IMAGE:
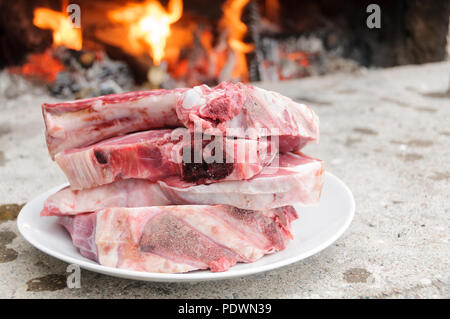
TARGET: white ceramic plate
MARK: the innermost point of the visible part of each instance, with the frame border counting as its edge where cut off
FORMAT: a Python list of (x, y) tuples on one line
[(316, 228)]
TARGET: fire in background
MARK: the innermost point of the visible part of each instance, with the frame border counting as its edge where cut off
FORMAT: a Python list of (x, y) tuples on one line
[(170, 44), (148, 26), (175, 54), (64, 31), (151, 30)]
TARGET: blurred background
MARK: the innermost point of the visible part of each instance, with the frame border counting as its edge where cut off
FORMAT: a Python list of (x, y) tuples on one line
[(122, 45)]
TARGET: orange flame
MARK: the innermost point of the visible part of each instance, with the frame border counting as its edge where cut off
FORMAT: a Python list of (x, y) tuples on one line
[(40, 66), (231, 20), (148, 25), (64, 32)]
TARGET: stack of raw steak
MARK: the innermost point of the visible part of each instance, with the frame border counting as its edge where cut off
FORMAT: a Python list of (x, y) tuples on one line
[(181, 180)]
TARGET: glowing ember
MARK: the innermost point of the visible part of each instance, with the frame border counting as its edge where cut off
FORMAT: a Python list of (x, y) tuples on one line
[(64, 32), (148, 25), (300, 58), (231, 20), (40, 66)]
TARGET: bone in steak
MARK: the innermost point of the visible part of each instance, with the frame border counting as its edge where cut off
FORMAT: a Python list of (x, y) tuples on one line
[(174, 239), (226, 106), (157, 154), (124, 193), (84, 122), (247, 111), (296, 180)]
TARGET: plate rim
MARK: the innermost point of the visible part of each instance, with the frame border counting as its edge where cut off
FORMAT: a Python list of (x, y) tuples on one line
[(190, 276)]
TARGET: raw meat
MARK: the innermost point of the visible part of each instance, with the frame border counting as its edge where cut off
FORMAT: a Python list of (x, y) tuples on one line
[(236, 110), (82, 231), (173, 239), (296, 180), (248, 112), (292, 178), (179, 180), (125, 193), (158, 154), (84, 122)]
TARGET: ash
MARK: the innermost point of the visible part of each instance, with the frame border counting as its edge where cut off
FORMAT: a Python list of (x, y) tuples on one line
[(85, 74), (89, 74), (301, 56)]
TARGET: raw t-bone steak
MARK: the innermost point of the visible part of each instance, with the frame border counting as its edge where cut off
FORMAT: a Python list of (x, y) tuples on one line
[(226, 106), (296, 180), (158, 154), (175, 239), (87, 121), (247, 111)]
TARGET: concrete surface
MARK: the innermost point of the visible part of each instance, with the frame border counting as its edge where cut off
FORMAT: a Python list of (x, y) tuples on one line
[(385, 133)]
